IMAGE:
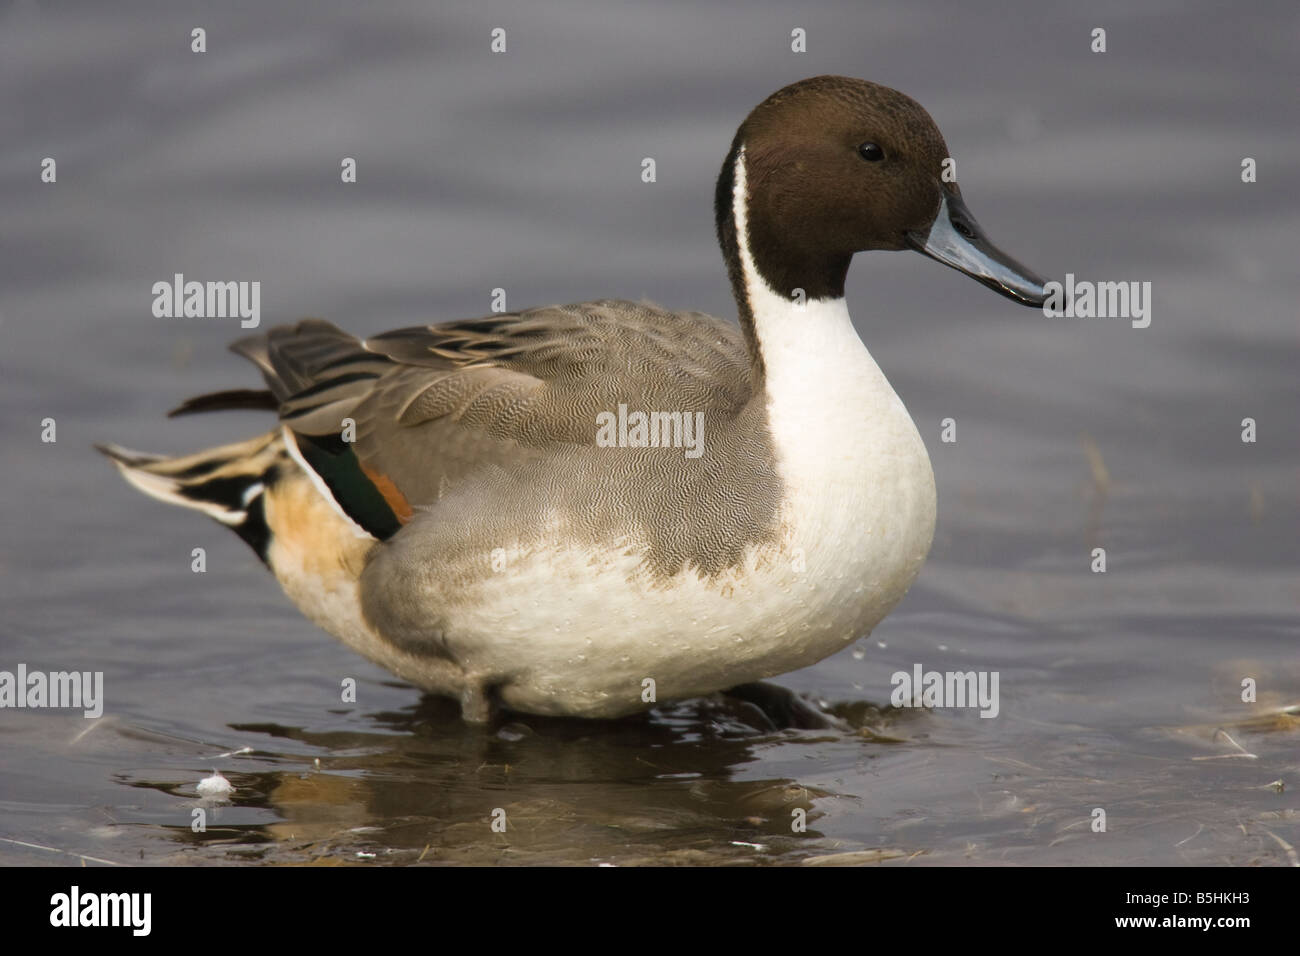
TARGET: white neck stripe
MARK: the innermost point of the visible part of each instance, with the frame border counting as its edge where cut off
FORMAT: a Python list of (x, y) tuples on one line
[(754, 281), (787, 329)]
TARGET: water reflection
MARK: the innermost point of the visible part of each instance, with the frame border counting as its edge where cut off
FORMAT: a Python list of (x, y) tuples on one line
[(422, 786), (676, 786)]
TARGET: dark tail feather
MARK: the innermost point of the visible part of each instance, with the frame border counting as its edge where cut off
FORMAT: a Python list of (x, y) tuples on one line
[(231, 400)]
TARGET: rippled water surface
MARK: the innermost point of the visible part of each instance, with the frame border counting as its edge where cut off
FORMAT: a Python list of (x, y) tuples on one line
[(1120, 691)]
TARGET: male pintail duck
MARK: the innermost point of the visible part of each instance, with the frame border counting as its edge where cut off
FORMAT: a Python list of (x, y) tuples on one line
[(477, 506)]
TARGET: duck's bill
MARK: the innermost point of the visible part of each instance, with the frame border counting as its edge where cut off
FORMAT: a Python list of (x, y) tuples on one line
[(956, 240)]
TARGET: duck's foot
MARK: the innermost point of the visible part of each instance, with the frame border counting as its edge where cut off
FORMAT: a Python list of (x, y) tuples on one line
[(784, 708)]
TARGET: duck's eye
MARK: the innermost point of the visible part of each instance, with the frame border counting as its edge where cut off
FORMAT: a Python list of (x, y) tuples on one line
[(871, 152)]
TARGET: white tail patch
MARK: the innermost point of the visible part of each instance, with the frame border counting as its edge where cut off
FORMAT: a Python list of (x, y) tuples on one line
[(133, 466), (202, 481)]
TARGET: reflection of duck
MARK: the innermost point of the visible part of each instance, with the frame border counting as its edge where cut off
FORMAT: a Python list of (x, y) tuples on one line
[(672, 787), (437, 496)]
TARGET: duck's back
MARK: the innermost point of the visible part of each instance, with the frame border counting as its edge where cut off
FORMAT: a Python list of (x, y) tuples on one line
[(618, 420)]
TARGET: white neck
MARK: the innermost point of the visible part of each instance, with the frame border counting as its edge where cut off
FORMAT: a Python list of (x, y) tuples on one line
[(852, 460), (810, 350)]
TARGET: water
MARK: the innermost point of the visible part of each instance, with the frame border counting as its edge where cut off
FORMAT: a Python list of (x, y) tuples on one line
[(1119, 691)]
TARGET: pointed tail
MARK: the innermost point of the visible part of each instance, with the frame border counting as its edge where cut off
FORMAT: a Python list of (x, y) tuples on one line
[(226, 483)]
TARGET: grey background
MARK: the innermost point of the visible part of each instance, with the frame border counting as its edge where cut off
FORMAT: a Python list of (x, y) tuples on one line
[(522, 171)]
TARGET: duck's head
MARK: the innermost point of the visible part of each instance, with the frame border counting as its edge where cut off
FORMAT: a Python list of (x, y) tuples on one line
[(831, 166)]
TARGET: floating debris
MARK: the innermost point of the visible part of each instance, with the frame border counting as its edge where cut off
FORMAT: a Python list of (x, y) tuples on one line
[(855, 858), (232, 753), (1097, 469), (1241, 751), (215, 786), (52, 849), (1290, 850)]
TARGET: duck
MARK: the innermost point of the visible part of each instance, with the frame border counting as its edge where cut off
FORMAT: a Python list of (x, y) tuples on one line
[(509, 510)]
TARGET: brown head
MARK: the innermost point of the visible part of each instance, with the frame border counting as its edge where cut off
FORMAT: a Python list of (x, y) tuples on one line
[(835, 166)]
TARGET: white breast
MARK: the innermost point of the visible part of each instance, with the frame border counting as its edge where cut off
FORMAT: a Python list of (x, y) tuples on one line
[(860, 489), (570, 631)]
